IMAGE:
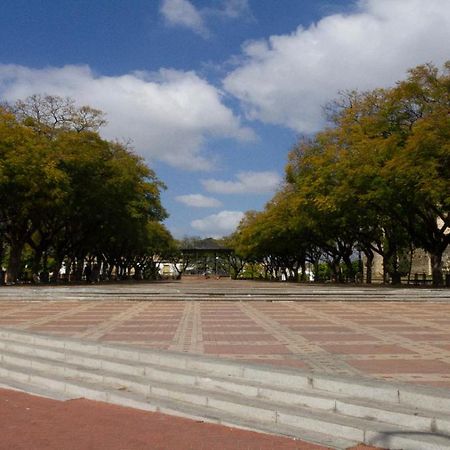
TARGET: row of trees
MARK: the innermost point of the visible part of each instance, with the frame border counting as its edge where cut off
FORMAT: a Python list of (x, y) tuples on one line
[(376, 181), (69, 196)]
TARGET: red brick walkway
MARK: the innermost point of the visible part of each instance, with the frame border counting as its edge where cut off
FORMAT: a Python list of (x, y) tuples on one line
[(29, 422)]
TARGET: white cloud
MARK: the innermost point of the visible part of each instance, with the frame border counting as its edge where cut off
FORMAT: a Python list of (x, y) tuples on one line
[(217, 225), (183, 13), (199, 201), (246, 183), (233, 9), (168, 115), (287, 79)]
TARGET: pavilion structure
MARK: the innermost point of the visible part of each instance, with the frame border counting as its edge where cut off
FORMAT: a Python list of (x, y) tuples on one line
[(207, 257)]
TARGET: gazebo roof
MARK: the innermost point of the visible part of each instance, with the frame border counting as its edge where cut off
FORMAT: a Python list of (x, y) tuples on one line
[(206, 245)]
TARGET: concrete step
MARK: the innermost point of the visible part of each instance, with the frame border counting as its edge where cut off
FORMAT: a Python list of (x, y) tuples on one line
[(366, 389), (216, 292), (244, 298), (102, 388), (10, 384), (237, 411), (180, 404), (138, 376), (276, 397)]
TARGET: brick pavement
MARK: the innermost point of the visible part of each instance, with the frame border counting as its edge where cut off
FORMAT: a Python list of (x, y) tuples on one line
[(83, 424), (389, 340)]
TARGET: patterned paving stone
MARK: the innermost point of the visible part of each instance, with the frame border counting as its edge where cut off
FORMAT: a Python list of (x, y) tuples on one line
[(401, 340), (280, 362), (245, 349), (403, 366), (367, 349), (333, 337)]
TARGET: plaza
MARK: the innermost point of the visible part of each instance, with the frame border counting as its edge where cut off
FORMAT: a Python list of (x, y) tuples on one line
[(346, 364), (388, 334)]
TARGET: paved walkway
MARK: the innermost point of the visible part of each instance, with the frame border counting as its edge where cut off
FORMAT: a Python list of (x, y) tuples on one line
[(399, 335), (87, 425)]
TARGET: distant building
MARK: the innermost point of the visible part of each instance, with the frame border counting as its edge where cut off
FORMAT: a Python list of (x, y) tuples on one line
[(420, 265)]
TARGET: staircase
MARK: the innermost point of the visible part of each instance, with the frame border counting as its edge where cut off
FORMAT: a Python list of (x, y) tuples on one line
[(333, 411), (223, 291)]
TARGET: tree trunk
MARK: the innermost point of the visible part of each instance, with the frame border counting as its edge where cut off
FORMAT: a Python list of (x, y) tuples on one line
[(295, 274), (316, 271), (37, 260), (436, 268), (78, 272), (411, 258), (395, 272), (350, 269), (69, 268), (385, 268), (396, 277), (2, 251), (336, 274), (303, 270), (369, 264), (15, 259)]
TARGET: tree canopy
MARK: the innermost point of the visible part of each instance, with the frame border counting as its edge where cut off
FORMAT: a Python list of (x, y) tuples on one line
[(67, 195), (376, 180)]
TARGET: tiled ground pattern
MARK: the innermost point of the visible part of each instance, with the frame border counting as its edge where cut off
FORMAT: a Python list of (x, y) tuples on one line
[(407, 342)]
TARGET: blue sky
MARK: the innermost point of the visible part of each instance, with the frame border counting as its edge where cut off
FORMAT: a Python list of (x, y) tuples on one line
[(214, 93)]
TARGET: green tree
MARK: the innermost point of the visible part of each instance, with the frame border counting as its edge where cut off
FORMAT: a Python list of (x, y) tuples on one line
[(398, 139), (67, 193), (30, 183)]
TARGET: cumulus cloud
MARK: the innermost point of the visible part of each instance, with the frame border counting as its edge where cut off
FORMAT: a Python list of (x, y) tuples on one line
[(245, 183), (217, 225), (168, 115), (233, 9), (287, 79), (199, 201), (183, 13)]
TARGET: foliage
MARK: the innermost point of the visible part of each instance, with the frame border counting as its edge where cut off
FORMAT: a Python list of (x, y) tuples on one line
[(377, 181), (71, 196)]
